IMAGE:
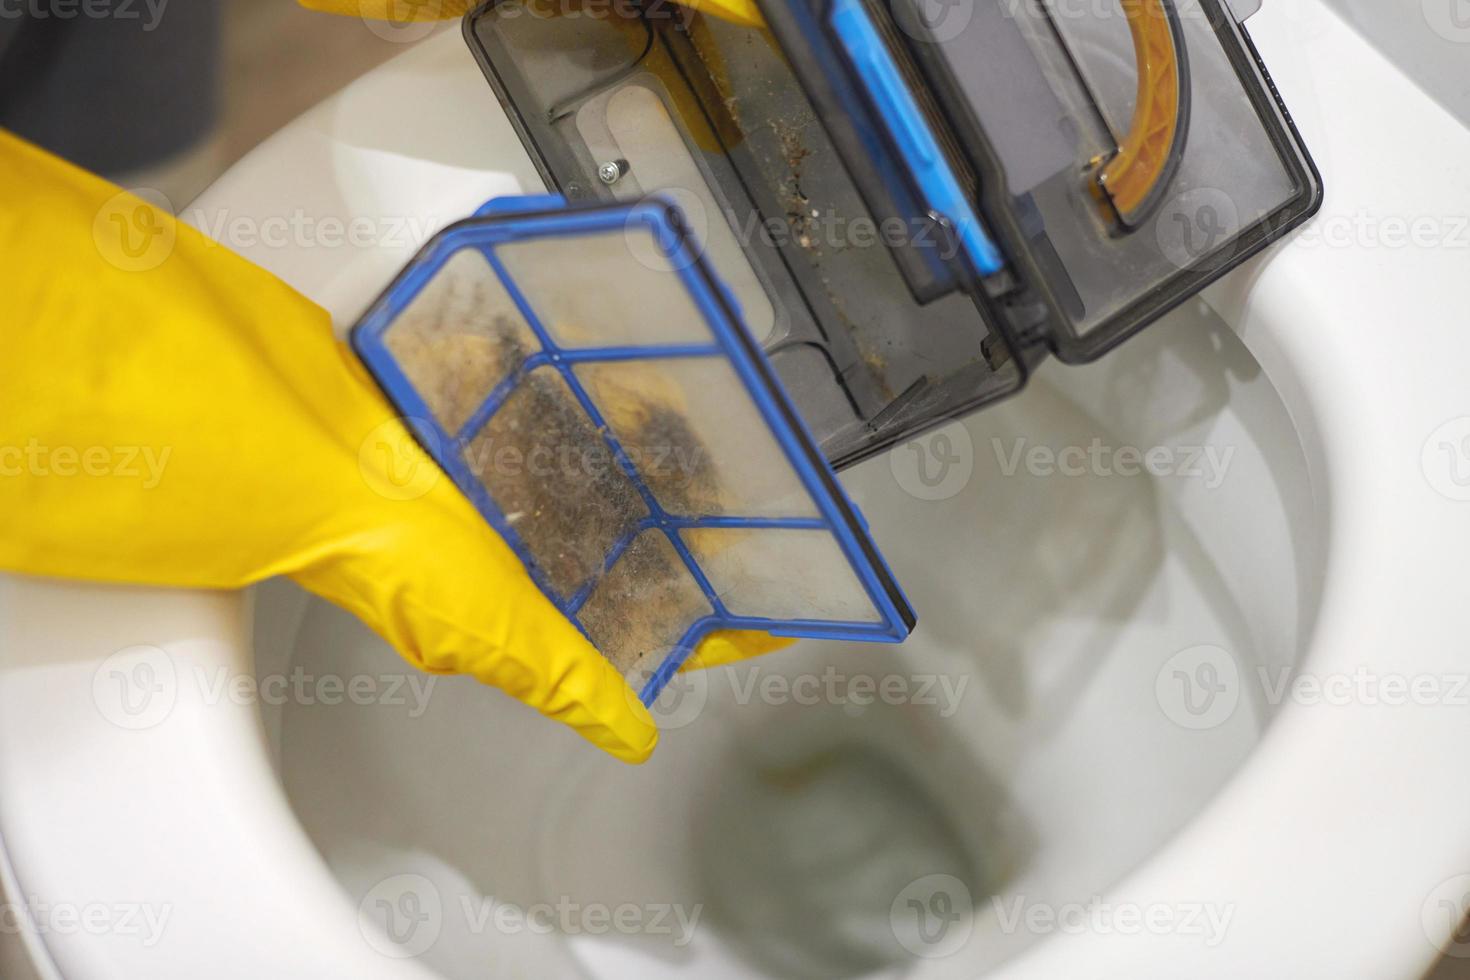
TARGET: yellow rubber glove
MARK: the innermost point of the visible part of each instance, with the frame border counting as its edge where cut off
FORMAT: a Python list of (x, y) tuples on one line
[(743, 12), (171, 414)]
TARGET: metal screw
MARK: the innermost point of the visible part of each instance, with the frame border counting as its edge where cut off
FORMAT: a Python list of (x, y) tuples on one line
[(609, 172)]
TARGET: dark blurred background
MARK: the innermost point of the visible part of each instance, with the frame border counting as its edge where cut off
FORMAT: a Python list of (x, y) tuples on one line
[(168, 93)]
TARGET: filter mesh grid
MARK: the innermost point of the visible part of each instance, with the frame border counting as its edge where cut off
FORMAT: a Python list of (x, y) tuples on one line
[(583, 379)]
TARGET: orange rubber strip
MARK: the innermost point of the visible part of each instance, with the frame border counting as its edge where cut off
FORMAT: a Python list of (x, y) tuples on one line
[(1128, 178)]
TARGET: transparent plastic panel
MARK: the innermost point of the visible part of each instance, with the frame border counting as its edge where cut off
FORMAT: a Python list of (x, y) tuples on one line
[(551, 473), (1141, 147), (643, 606), (780, 574), (459, 337), (691, 430), (630, 128), (637, 300), (1228, 176)]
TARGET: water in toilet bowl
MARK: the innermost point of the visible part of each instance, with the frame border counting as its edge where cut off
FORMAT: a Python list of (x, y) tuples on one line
[(801, 860)]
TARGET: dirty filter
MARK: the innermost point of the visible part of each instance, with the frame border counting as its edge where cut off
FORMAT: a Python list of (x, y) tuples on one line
[(587, 383)]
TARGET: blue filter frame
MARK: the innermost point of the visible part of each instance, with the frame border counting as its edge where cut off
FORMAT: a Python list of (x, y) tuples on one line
[(723, 592), (917, 147)]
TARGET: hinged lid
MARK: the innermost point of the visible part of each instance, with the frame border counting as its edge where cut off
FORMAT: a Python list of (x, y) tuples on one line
[(1120, 155)]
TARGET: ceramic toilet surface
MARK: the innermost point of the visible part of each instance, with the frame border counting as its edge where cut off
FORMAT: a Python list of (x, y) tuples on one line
[(1110, 719), (1002, 757)]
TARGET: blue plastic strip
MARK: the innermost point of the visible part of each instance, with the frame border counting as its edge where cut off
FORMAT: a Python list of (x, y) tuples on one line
[(508, 220), (915, 141)]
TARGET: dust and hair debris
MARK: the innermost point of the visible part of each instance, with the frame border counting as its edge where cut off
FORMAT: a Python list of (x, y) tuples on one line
[(462, 318), (643, 606), (550, 470), (573, 507)]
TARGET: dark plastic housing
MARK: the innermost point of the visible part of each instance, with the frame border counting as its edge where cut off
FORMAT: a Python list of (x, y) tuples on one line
[(907, 208)]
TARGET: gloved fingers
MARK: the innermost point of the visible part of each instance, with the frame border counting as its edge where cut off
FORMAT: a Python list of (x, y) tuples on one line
[(190, 384), (435, 581), (595, 699), (218, 437), (742, 12), (731, 646), (400, 11)]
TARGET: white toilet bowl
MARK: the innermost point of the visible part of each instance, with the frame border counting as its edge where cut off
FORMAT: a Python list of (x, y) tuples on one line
[(1203, 722)]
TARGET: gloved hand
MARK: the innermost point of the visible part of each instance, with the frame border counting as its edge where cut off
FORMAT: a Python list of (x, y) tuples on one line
[(739, 11), (171, 414)]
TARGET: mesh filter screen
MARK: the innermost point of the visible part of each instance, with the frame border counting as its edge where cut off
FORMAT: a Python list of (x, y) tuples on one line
[(591, 390)]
